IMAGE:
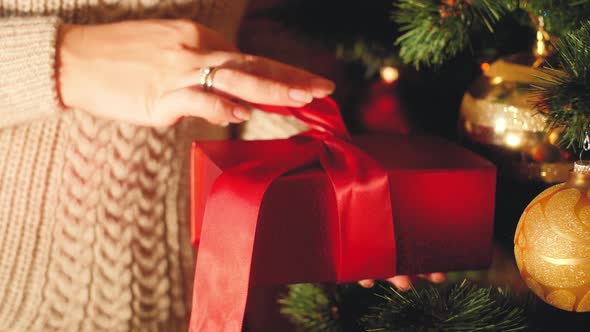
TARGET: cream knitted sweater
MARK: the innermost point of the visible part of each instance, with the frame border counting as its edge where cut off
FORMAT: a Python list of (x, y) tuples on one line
[(93, 214)]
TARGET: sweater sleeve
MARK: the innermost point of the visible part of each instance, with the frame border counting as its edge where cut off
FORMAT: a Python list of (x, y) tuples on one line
[(27, 69)]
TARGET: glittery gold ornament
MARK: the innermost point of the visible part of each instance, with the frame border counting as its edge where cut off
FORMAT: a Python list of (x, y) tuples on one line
[(552, 243), (498, 118)]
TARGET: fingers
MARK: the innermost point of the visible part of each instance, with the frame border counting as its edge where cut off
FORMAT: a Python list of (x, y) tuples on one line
[(318, 86), (436, 277), (261, 90), (195, 102), (401, 282), (367, 283), (404, 282), (259, 80)]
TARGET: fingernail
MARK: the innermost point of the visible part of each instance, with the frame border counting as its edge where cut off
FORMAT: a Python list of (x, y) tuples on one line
[(403, 285), (367, 283), (301, 96), (435, 277), (241, 114), (323, 84)]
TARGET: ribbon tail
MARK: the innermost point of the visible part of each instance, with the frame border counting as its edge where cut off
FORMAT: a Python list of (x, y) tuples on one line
[(224, 259)]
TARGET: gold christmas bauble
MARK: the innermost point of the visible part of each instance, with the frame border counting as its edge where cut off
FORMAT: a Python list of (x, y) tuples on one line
[(498, 119), (552, 243)]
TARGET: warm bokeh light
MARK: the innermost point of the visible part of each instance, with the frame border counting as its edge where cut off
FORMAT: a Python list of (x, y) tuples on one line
[(500, 125), (513, 140), (389, 74), (554, 137), (541, 49), (497, 80), (541, 44), (485, 66), (468, 126)]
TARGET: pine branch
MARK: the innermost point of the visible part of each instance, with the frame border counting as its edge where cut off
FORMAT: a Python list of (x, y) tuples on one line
[(435, 31), (428, 39), (308, 307), (489, 11), (565, 95), (560, 16), (464, 307)]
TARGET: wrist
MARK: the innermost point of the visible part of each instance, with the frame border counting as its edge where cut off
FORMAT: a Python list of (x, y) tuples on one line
[(66, 63)]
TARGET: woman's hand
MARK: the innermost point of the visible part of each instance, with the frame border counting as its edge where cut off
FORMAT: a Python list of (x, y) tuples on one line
[(148, 73), (403, 282)]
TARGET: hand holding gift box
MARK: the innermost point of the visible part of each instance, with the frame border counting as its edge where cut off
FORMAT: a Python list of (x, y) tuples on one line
[(316, 208)]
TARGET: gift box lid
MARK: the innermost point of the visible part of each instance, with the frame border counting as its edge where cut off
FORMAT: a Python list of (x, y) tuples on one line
[(393, 152)]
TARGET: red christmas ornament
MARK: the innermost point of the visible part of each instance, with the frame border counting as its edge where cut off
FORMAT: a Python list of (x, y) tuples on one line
[(383, 112)]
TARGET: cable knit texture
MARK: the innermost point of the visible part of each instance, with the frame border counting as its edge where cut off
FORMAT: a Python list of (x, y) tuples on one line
[(93, 214)]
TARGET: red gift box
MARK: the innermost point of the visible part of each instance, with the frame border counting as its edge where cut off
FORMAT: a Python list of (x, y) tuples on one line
[(322, 207), (442, 198)]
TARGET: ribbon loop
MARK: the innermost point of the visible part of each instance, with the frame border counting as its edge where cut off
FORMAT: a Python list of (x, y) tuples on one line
[(364, 229)]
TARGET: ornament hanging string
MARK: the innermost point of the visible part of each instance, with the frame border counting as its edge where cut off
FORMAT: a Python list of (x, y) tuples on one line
[(585, 145)]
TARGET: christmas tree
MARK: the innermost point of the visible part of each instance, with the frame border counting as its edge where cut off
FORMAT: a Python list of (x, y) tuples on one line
[(433, 38)]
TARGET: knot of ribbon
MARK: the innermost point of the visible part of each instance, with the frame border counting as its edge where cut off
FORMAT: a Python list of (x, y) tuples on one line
[(365, 236)]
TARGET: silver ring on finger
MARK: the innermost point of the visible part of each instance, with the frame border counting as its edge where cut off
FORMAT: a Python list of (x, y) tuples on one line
[(206, 78)]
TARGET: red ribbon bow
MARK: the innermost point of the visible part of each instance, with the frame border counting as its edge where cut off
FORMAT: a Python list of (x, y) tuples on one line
[(361, 187)]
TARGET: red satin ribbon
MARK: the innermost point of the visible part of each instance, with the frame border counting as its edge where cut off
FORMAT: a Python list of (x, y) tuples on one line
[(361, 186)]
